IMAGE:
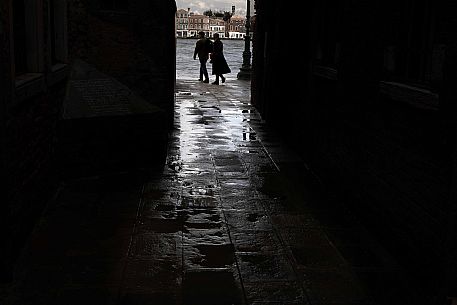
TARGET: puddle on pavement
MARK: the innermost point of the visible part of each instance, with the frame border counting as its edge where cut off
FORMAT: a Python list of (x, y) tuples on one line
[(209, 286), (203, 219), (197, 202), (160, 225), (217, 255), (174, 163), (249, 136), (253, 217), (215, 218), (201, 191), (202, 225), (165, 207)]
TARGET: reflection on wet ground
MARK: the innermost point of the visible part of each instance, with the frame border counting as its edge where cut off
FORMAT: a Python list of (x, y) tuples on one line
[(234, 218)]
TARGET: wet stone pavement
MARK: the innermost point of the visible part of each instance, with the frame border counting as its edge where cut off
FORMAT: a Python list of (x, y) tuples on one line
[(233, 218)]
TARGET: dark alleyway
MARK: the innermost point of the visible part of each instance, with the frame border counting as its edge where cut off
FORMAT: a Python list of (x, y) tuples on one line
[(233, 218)]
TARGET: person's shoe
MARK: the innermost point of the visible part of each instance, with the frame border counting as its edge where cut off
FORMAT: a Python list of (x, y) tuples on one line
[(206, 81), (215, 83), (200, 79), (223, 79)]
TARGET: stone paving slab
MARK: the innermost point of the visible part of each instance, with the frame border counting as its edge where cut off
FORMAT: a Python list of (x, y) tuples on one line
[(233, 218)]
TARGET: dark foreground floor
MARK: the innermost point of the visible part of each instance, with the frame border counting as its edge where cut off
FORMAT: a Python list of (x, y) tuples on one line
[(233, 218)]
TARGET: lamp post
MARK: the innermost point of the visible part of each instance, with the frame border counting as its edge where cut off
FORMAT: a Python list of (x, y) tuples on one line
[(245, 70)]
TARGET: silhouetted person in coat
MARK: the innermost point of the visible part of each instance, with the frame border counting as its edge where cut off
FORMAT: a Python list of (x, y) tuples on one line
[(220, 65), (203, 53)]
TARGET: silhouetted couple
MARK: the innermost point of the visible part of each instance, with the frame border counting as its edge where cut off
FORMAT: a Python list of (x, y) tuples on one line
[(204, 49)]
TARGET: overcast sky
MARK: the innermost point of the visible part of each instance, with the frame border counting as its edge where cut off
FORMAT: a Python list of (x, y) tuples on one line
[(199, 6)]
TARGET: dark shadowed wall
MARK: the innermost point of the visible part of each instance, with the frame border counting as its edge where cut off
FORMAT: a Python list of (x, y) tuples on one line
[(366, 91), (39, 40)]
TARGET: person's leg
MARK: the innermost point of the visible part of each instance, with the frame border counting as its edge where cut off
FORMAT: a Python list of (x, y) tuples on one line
[(204, 70), (205, 73), (201, 72), (216, 82), (222, 78)]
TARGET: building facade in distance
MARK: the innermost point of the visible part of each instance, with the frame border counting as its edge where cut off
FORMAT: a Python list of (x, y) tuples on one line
[(189, 24)]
